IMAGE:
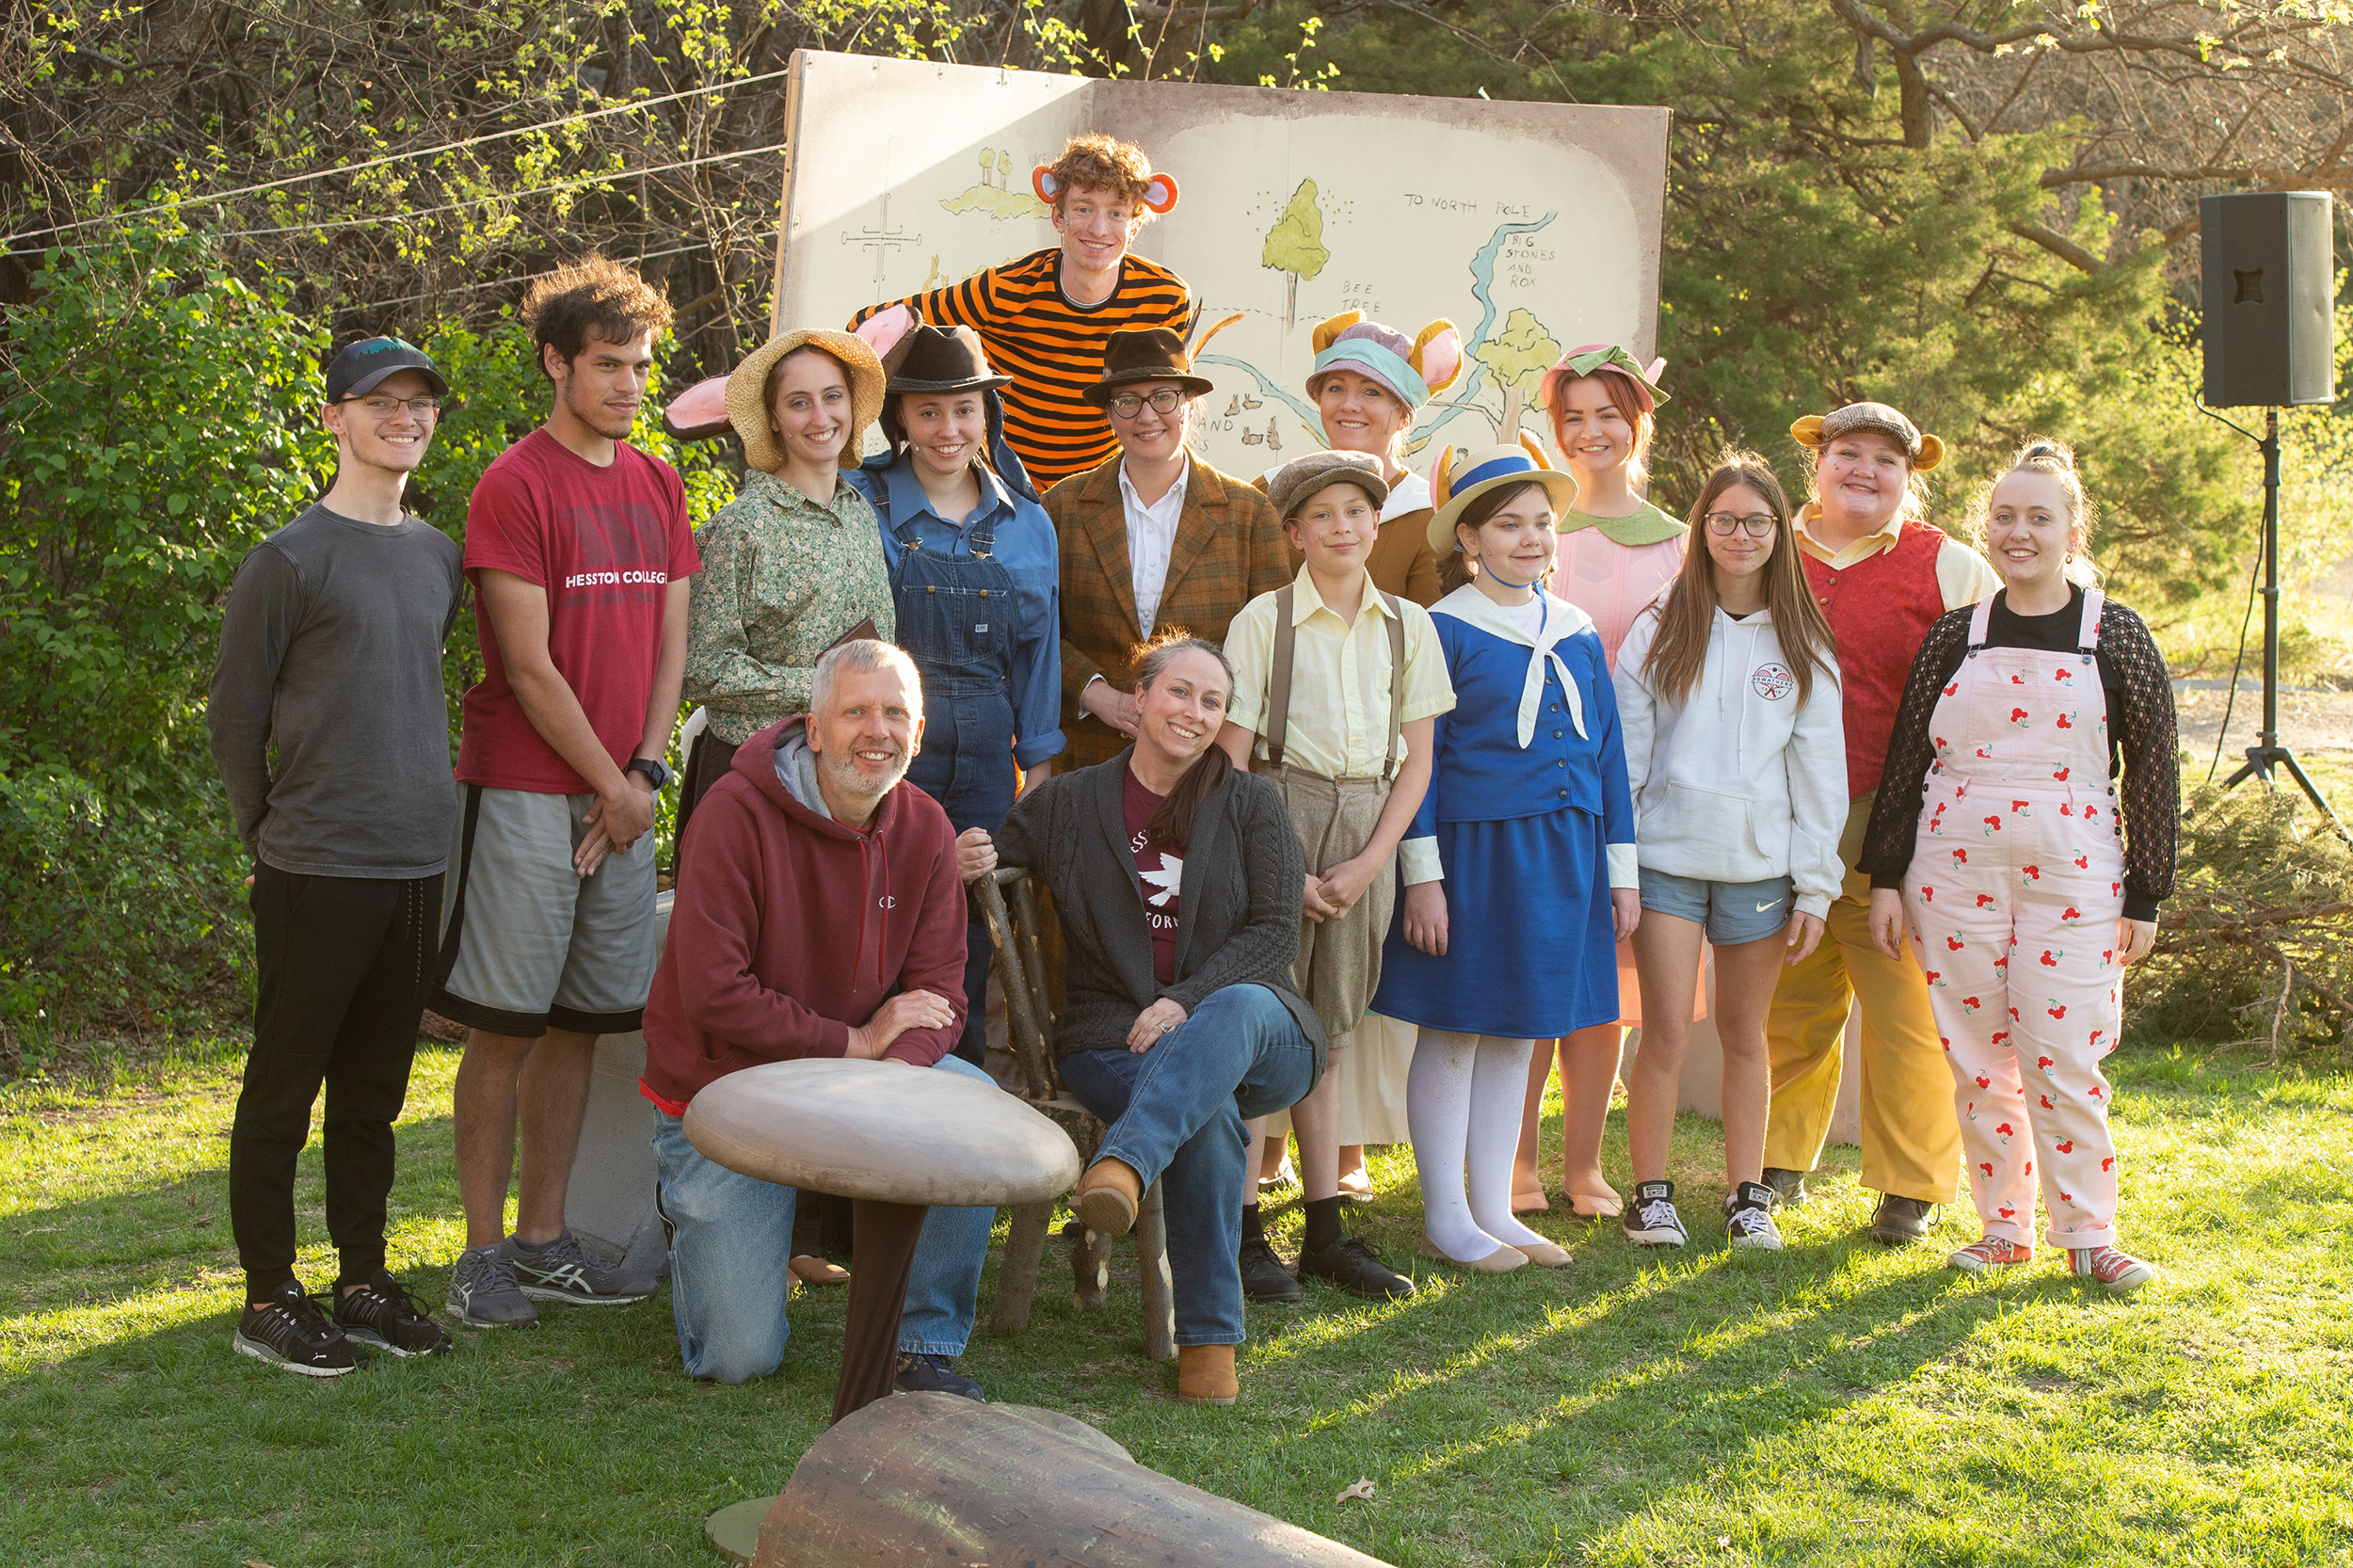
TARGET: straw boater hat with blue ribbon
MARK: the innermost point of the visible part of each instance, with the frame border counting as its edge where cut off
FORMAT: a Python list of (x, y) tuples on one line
[(1413, 369), (1459, 478)]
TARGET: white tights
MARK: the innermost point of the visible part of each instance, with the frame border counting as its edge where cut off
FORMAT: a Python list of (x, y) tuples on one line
[(1463, 1094)]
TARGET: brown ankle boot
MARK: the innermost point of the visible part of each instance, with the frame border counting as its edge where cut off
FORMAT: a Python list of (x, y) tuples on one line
[(1109, 1194), (1205, 1375)]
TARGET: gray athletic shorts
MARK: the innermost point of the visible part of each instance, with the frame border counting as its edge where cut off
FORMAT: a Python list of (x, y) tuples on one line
[(1733, 912), (528, 944)]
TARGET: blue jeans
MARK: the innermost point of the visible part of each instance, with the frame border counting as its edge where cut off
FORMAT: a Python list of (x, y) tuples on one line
[(1176, 1114), (732, 1242), (967, 766)]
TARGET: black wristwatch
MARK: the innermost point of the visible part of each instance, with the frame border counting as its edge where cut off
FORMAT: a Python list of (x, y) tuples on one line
[(656, 774)]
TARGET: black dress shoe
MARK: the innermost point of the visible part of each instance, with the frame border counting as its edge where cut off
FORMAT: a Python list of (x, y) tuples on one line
[(920, 1373), (1788, 1187), (1263, 1276), (1352, 1265), (1901, 1222)]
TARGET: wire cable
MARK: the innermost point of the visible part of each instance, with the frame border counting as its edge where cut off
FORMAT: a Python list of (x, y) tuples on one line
[(214, 198), (607, 177), (528, 276)]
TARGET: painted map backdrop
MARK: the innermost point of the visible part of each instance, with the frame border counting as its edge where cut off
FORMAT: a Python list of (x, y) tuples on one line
[(1533, 227)]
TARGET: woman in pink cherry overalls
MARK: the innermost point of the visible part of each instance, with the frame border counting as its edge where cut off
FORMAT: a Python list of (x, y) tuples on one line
[(1998, 842)]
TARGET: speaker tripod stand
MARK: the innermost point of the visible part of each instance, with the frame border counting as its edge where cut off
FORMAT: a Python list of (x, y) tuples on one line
[(2268, 753)]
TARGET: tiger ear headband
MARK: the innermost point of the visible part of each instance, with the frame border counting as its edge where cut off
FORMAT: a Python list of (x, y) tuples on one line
[(1160, 192)]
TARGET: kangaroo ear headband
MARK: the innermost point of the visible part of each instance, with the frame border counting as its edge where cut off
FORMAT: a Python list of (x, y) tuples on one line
[(1159, 194)]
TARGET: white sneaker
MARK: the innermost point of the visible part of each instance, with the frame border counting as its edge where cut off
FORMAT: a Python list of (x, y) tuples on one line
[(1651, 1220), (1749, 1218)]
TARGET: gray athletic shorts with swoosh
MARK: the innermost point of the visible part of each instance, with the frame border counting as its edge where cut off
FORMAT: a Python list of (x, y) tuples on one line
[(528, 944), (1733, 912)]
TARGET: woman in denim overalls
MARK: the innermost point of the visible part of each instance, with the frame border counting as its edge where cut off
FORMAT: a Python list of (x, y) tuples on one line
[(974, 568)]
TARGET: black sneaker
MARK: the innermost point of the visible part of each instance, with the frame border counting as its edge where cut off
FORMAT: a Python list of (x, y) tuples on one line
[(1749, 1218), (922, 1372), (1651, 1220), (292, 1334), (1901, 1222), (1788, 1187), (1263, 1276), (483, 1293), (565, 1270), (382, 1314), (1352, 1265)]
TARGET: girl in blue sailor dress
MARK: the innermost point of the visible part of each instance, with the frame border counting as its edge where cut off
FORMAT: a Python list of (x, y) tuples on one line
[(1519, 868)]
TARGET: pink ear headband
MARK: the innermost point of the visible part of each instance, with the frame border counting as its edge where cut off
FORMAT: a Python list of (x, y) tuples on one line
[(1159, 194)]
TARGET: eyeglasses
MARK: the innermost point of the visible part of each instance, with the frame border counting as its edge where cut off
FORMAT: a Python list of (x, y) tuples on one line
[(385, 408), (1760, 526), (1129, 404)]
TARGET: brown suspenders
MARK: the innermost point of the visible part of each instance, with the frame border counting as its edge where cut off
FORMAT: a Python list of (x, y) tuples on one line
[(1278, 709)]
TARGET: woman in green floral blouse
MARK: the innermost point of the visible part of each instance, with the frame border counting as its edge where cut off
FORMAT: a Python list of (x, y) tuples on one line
[(795, 560)]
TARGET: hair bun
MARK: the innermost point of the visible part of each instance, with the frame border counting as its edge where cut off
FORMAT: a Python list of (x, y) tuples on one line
[(2042, 449)]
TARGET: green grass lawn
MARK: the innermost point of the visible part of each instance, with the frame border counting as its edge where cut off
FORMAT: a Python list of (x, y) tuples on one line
[(1837, 1403)]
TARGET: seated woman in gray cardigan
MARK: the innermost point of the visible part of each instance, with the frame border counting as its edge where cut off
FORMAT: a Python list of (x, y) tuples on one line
[(1179, 882)]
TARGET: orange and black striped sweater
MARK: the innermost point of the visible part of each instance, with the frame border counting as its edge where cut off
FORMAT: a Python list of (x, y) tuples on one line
[(1052, 348)]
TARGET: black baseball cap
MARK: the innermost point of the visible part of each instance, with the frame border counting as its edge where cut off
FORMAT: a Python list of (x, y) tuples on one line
[(358, 368)]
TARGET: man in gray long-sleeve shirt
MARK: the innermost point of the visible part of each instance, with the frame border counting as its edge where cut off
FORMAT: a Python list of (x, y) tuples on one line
[(330, 657)]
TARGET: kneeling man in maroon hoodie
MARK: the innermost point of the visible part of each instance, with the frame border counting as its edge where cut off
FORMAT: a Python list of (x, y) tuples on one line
[(819, 913)]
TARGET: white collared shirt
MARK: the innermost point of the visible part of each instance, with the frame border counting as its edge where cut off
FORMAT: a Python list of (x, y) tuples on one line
[(1152, 540), (1411, 494)]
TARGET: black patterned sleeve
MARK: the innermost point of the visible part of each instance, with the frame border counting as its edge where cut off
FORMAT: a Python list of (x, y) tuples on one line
[(2148, 750), (1895, 813)]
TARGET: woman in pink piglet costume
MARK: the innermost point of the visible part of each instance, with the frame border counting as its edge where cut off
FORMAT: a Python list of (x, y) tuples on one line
[(1998, 844), (1617, 552)]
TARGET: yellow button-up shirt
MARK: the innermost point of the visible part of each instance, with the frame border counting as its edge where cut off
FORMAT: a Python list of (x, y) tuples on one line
[(1339, 707)]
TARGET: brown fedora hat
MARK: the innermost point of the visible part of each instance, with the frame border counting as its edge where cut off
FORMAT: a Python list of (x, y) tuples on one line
[(1151, 354), (939, 359)]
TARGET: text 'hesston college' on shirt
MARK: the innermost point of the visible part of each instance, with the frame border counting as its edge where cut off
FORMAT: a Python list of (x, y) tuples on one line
[(1161, 873), (605, 543)]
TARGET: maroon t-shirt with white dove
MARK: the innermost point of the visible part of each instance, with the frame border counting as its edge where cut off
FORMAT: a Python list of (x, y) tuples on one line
[(1161, 875)]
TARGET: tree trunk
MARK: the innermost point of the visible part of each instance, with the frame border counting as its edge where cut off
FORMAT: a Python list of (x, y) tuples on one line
[(933, 1480)]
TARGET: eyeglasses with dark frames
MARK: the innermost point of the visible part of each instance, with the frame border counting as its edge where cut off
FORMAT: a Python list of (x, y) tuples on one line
[(1760, 525), (1129, 404)]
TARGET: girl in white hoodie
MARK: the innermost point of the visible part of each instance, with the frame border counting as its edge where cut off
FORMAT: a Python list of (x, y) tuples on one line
[(1727, 692)]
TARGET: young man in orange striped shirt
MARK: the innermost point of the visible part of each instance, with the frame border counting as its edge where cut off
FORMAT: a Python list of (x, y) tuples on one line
[(1045, 318)]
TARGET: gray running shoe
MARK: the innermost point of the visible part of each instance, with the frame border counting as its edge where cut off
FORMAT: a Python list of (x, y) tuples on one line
[(1788, 1187), (565, 1270), (483, 1293)]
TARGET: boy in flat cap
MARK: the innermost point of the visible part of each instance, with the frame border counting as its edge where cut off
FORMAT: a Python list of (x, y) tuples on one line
[(1337, 687)]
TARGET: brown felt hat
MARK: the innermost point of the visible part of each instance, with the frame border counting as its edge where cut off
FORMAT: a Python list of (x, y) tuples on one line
[(1290, 487), (1150, 354), (749, 381)]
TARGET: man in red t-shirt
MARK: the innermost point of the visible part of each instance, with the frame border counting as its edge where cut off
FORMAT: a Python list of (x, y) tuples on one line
[(579, 548)]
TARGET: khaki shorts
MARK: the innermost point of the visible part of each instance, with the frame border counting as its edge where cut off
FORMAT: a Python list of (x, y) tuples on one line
[(1339, 962), (527, 943)]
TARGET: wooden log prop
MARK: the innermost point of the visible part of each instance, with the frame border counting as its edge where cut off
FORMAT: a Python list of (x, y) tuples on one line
[(929, 1480), (895, 1140)]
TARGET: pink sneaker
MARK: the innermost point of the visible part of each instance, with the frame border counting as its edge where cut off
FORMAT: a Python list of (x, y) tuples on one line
[(2116, 1271), (1994, 1253)]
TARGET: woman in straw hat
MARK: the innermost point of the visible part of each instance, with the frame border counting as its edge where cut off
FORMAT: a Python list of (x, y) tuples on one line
[(1617, 552), (974, 572), (790, 566), (1519, 866), (793, 562), (1881, 575)]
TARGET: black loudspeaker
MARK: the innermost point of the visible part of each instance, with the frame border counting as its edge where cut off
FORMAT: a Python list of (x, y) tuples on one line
[(2270, 285)]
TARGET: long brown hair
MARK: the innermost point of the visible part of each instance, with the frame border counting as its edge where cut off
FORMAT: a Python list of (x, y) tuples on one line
[(1454, 567), (1688, 614), (1171, 824)]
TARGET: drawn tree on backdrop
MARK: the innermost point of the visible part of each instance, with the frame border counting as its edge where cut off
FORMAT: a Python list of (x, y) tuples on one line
[(1517, 357), (1294, 247)]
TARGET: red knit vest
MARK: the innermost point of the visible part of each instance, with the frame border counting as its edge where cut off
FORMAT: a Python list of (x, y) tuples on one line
[(1880, 609)]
